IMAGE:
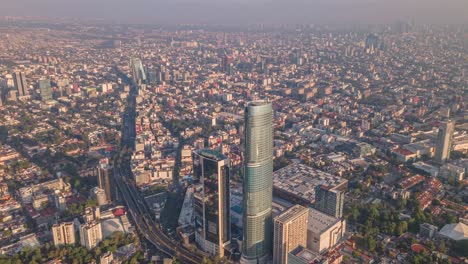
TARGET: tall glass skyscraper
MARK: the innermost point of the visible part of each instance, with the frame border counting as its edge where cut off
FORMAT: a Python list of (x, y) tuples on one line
[(258, 182), (46, 89), (138, 71), (211, 201)]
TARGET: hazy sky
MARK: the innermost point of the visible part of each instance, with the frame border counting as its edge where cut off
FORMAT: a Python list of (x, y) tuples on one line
[(245, 11)]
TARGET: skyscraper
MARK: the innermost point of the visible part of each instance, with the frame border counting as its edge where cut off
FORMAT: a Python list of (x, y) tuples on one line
[(105, 180), (138, 72), (258, 182), (290, 231), (64, 234), (21, 85), (211, 201), (444, 141), (329, 201), (46, 89)]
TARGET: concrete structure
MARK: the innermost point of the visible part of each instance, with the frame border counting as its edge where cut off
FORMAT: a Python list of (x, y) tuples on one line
[(329, 200), (323, 231), (90, 234), (21, 85), (258, 182), (444, 141), (100, 195), (452, 171), (64, 234), (105, 181), (301, 255), (46, 89), (290, 231), (211, 201), (298, 182), (455, 232), (427, 230), (92, 214), (106, 258)]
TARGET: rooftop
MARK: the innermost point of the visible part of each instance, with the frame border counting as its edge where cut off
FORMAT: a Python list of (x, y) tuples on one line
[(300, 181), (212, 154), (318, 221)]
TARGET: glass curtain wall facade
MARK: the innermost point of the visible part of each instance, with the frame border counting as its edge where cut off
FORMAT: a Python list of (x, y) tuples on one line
[(211, 201), (258, 181)]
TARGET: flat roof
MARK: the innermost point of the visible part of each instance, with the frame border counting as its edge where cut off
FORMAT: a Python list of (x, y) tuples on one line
[(212, 154), (319, 222), (300, 181)]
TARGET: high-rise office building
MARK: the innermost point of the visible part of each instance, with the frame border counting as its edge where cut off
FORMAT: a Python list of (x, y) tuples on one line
[(64, 234), (90, 234), (106, 181), (138, 72), (46, 89), (211, 201), (258, 182), (290, 231), (329, 200), (444, 141), (19, 79)]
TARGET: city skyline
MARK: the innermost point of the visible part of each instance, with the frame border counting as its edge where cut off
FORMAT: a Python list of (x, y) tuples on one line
[(243, 12), (217, 144)]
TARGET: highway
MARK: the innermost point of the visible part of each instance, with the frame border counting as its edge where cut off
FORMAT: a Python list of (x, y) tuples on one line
[(137, 207)]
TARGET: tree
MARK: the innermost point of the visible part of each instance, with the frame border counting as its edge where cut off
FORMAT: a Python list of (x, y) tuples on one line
[(371, 244), (401, 228)]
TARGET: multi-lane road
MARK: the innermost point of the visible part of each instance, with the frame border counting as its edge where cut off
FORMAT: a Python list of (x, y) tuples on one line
[(137, 207)]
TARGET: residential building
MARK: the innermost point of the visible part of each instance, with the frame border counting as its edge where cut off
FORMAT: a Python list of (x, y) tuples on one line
[(64, 234), (290, 231), (90, 234), (106, 258)]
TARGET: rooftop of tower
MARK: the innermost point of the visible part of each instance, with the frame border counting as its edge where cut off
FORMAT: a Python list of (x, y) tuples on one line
[(212, 154), (258, 103)]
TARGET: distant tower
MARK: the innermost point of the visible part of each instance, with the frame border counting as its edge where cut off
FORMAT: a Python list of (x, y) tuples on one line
[(138, 71), (258, 182), (46, 89), (21, 85), (106, 181), (444, 141), (211, 201), (290, 231), (372, 42), (329, 201)]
